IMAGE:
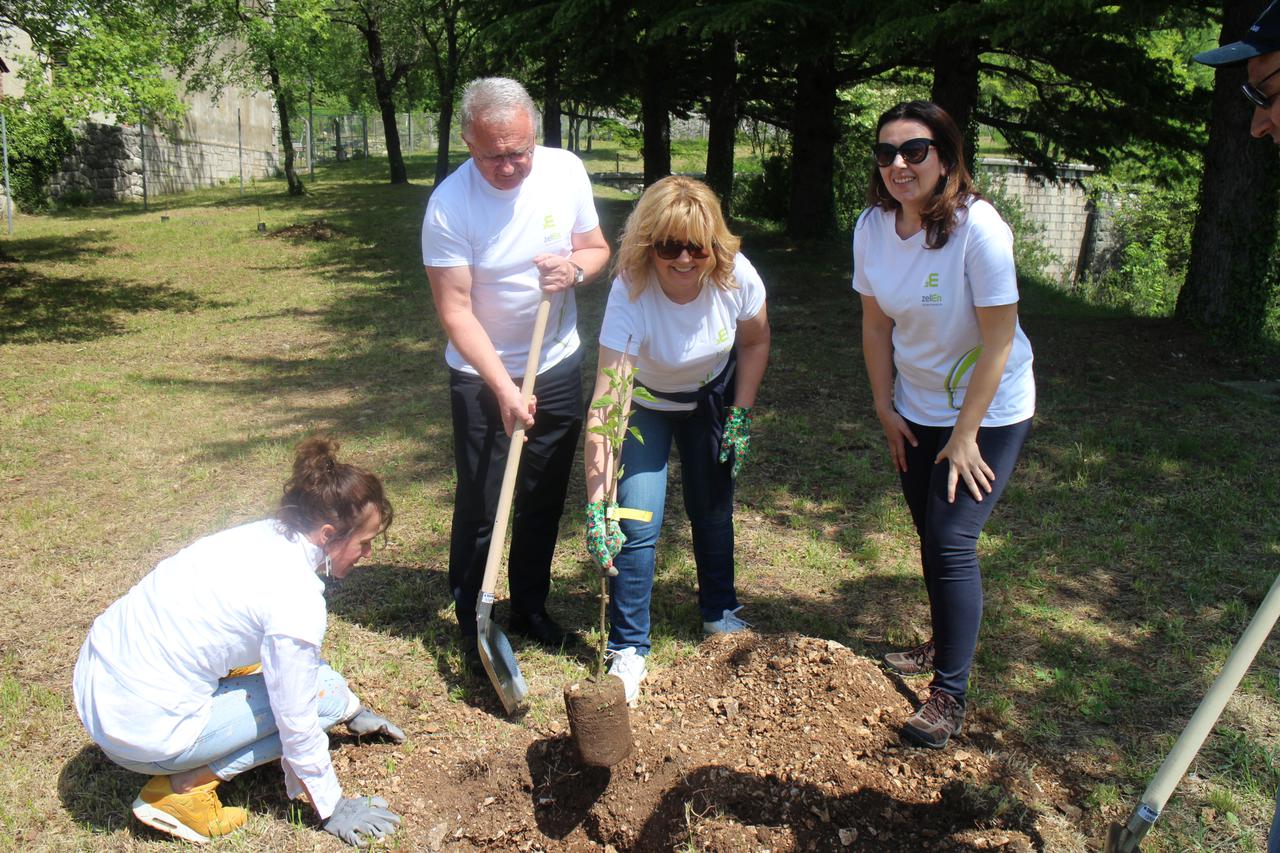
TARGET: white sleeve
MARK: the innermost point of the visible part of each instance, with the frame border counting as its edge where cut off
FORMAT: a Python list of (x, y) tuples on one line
[(444, 243), (988, 258), (622, 329), (861, 283), (290, 668)]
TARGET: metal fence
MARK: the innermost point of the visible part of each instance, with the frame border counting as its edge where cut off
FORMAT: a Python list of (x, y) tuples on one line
[(350, 136)]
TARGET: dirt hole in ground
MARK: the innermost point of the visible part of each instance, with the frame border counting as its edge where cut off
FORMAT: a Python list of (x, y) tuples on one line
[(779, 743), (319, 230)]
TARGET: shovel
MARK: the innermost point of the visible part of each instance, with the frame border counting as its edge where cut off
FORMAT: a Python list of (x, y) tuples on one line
[(1126, 838), (495, 649)]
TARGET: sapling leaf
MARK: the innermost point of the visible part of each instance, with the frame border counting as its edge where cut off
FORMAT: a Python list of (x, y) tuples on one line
[(642, 393), (603, 402), (635, 433), (599, 430)]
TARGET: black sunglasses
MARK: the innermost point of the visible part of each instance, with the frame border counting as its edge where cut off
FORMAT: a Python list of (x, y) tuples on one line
[(1254, 94), (669, 250), (913, 151)]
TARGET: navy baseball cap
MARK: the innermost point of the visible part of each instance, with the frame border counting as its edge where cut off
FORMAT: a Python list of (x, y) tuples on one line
[(1263, 37)]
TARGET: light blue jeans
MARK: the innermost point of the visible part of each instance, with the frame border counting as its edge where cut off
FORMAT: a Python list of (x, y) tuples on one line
[(241, 732), (708, 501)]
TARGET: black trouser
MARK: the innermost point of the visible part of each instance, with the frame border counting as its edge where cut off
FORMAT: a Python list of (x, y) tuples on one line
[(949, 541), (480, 447)]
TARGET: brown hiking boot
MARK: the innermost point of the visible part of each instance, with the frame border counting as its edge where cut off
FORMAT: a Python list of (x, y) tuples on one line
[(917, 661), (940, 717)]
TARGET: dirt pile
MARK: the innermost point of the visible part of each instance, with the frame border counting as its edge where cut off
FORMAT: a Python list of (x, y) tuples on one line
[(755, 743), (318, 230)]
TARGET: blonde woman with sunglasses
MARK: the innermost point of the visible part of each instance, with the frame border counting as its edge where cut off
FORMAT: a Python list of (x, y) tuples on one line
[(687, 312), (950, 373)]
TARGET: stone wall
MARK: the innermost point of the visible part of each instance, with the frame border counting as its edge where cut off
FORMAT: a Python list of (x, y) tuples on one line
[(211, 144), (1074, 228)]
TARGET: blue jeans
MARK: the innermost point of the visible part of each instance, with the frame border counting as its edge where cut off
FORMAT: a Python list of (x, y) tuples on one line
[(949, 541), (241, 732), (708, 501)]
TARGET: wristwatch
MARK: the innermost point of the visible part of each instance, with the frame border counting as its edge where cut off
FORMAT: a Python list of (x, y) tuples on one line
[(578, 275)]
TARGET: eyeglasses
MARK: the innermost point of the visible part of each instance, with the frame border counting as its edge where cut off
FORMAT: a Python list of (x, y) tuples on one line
[(913, 151), (502, 159), (1254, 94), (669, 250)]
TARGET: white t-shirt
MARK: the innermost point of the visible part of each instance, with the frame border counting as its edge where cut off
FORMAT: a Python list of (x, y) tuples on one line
[(930, 294), (469, 222), (148, 669), (680, 347)]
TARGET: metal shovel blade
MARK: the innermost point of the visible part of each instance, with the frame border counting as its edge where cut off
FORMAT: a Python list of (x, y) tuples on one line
[(1121, 839), (499, 659)]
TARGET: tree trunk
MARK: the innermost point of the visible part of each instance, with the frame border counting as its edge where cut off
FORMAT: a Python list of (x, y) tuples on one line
[(551, 104), (655, 116), (445, 129), (384, 91), (1230, 273), (286, 135), (811, 209), (955, 89), (723, 120), (448, 82)]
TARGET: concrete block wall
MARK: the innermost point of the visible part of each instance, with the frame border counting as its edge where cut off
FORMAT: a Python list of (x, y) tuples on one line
[(208, 146), (1062, 208)]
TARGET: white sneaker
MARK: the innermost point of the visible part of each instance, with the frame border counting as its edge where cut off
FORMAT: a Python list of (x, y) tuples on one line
[(729, 623), (629, 667)]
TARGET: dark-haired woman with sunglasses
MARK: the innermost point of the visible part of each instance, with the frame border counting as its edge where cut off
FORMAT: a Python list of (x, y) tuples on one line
[(687, 313), (933, 264)]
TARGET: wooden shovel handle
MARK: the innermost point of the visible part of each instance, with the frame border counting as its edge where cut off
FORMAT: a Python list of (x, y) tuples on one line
[(499, 539)]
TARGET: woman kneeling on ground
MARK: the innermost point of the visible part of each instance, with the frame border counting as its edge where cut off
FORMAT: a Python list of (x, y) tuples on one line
[(687, 312), (933, 264), (211, 664)]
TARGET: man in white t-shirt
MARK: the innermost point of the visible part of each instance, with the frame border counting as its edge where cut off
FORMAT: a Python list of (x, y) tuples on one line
[(512, 224)]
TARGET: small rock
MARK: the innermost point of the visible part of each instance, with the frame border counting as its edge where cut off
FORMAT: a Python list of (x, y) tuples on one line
[(848, 836), (436, 836)]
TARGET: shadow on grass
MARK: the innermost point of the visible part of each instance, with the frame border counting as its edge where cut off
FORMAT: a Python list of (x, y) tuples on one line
[(37, 306)]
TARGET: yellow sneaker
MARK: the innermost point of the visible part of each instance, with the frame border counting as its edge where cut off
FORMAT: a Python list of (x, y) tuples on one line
[(251, 669), (197, 815)]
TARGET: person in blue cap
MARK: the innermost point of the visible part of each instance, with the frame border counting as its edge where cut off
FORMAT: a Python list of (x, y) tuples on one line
[(1259, 52)]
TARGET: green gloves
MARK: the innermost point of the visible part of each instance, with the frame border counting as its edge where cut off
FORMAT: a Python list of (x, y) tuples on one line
[(737, 437), (604, 537)]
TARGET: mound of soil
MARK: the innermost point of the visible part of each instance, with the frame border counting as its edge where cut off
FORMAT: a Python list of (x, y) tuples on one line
[(778, 743), (319, 230)]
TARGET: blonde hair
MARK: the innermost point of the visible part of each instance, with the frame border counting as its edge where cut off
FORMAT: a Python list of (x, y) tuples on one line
[(682, 209)]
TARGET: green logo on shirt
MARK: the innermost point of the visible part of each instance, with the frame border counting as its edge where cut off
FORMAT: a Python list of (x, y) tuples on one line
[(549, 232), (931, 280)]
